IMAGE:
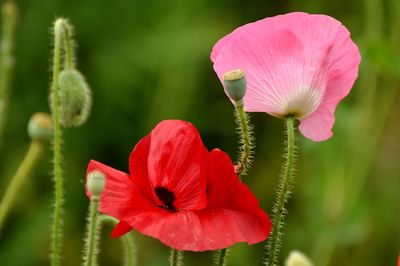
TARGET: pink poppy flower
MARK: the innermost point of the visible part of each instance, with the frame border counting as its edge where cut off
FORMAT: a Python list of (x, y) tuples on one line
[(296, 64), (182, 194)]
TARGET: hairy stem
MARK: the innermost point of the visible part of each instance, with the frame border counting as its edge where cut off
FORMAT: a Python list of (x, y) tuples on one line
[(282, 196), (57, 139), (129, 250), (31, 157), (9, 12), (92, 235), (245, 156), (127, 240), (246, 140), (222, 257), (175, 258), (69, 57)]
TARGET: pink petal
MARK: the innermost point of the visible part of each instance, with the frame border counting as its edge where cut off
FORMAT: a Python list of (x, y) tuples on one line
[(345, 59), (295, 64)]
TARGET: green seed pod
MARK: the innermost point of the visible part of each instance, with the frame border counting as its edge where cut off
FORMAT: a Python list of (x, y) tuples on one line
[(96, 182), (40, 126), (75, 98), (235, 84)]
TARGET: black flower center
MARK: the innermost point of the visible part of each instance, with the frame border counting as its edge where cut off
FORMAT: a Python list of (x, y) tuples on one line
[(167, 197)]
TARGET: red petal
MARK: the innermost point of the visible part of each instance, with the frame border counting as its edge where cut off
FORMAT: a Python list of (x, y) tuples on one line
[(176, 161), (229, 195), (138, 167), (120, 192), (121, 229), (232, 215)]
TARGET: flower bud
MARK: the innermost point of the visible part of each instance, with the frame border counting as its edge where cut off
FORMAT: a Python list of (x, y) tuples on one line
[(296, 258), (75, 98), (96, 181), (40, 126), (235, 84)]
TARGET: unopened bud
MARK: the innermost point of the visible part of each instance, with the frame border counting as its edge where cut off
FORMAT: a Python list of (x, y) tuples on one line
[(40, 126), (96, 181), (235, 84), (296, 258), (75, 98)]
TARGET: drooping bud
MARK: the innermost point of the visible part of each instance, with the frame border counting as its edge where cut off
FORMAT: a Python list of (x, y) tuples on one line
[(296, 258), (235, 85), (75, 98), (95, 183), (40, 126)]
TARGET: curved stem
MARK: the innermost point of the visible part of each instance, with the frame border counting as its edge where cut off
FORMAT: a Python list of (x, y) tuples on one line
[(92, 239), (57, 171), (69, 57), (282, 195), (245, 155), (175, 258), (9, 12), (128, 245), (31, 157), (127, 240), (246, 139)]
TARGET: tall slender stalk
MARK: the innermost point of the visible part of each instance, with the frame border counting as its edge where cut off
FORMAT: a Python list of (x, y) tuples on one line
[(9, 13), (57, 171), (26, 167), (60, 30), (93, 234), (245, 155), (246, 140), (282, 195)]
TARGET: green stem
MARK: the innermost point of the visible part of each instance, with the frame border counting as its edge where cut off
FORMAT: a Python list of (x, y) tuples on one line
[(9, 12), (175, 258), (246, 152), (222, 258), (31, 157), (129, 248), (57, 216), (246, 138), (127, 240), (90, 257), (283, 193), (69, 57)]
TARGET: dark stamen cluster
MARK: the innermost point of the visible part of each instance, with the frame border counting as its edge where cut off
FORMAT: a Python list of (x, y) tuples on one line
[(167, 197)]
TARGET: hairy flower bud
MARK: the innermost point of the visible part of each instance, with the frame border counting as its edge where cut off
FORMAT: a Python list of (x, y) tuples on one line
[(235, 84), (96, 182), (75, 98), (40, 126)]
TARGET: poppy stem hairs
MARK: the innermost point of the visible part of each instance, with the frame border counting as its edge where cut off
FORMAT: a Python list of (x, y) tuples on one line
[(282, 195), (175, 257), (9, 12), (235, 85), (39, 129), (95, 185), (69, 102), (128, 243)]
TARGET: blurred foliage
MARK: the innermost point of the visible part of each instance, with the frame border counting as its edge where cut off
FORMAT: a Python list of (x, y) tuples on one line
[(149, 60)]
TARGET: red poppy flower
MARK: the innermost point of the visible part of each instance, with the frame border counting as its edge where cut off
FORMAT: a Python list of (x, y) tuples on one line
[(180, 193)]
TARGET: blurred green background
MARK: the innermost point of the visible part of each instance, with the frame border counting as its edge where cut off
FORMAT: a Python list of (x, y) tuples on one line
[(149, 60)]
